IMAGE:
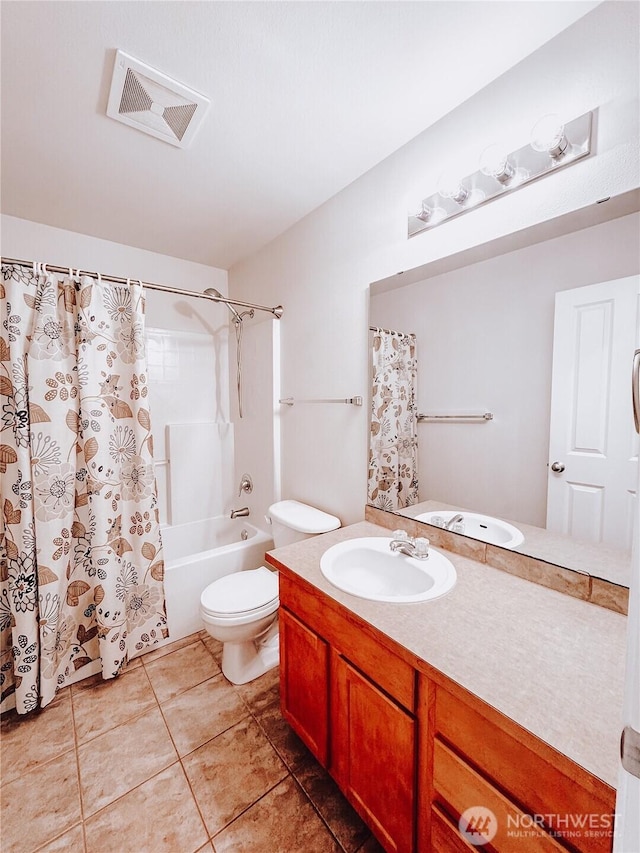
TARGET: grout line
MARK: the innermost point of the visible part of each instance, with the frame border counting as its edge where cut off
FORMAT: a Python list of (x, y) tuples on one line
[(79, 777), (319, 813), (64, 832), (126, 793), (139, 713), (195, 802), (251, 805), (186, 689)]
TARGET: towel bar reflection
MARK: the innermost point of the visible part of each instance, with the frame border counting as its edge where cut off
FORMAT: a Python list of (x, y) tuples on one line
[(485, 416), (354, 401)]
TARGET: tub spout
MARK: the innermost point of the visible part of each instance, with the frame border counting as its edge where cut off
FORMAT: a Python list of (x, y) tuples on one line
[(240, 513)]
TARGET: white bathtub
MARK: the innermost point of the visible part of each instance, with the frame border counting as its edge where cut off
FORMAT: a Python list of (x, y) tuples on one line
[(200, 552)]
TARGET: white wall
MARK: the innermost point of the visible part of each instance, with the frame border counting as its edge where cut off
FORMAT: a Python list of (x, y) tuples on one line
[(188, 368), (485, 339), (321, 268)]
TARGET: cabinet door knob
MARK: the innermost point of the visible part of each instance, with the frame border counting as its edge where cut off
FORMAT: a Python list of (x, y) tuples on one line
[(557, 467)]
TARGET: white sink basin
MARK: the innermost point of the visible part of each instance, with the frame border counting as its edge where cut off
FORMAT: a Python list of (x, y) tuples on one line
[(483, 527), (367, 568)]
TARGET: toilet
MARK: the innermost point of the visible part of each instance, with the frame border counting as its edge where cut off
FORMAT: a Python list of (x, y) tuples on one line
[(241, 609)]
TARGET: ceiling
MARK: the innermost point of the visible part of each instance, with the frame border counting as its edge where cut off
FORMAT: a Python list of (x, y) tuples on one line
[(305, 98)]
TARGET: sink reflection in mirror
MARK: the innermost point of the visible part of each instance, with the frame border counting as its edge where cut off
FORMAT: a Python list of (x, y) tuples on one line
[(368, 568), (477, 526)]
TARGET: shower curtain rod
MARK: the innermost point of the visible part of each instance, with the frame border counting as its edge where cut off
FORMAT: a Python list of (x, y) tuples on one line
[(277, 311), (388, 331)]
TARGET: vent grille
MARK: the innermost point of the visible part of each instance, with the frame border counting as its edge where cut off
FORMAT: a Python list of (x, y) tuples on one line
[(134, 98), (178, 118), (154, 103)]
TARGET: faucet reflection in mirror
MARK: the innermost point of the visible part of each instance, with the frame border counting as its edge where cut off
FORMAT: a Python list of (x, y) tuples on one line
[(393, 441)]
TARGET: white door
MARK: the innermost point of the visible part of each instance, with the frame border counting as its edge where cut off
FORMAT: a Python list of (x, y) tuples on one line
[(593, 448), (627, 837)]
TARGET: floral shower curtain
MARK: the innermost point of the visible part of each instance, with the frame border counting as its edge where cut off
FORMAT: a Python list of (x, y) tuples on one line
[(81, 565), (393, 443)]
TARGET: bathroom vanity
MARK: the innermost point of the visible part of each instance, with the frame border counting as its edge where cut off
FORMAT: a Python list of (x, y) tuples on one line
[(503, 694)]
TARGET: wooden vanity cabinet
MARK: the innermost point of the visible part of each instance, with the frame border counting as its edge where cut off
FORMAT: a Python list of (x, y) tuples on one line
[(351, 701), (412, 750)]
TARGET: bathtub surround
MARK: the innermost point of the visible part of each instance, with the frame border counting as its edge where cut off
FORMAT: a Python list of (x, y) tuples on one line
[(193, 449), (84, 558)]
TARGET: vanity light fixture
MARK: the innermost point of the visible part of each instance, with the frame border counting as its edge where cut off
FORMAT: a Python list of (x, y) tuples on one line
[(553, 146)]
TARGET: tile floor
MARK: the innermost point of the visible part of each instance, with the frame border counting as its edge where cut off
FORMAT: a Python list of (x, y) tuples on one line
[(169, 757)]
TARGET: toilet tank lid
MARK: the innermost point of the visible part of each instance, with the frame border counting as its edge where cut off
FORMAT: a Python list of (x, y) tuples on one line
[(303, 518)]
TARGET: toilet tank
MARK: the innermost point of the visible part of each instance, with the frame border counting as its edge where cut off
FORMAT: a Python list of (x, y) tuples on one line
[(293, 521)]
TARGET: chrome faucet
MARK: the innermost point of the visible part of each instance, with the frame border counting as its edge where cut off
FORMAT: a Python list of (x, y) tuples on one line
[(416, 548), (456, 519), (240, 513)]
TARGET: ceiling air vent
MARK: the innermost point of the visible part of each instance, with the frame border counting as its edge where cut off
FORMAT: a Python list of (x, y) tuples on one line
[(150, 101)]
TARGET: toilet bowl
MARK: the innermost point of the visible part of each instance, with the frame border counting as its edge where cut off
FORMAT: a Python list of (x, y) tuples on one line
[(241, 609)]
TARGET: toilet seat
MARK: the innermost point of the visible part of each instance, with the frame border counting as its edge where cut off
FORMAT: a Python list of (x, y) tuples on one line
[(241, 596)]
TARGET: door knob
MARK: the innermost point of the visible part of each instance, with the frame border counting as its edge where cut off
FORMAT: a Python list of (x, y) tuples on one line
[(557, 467)]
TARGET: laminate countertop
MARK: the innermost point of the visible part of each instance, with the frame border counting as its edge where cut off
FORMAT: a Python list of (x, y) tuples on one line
[(550, 662)]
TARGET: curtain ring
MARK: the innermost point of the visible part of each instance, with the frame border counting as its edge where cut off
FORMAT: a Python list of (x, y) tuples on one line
[(99, 279), (44, 269), (70, 272), (35, 268)]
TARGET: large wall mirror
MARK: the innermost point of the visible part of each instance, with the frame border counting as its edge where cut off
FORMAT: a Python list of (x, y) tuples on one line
[(485, 323)]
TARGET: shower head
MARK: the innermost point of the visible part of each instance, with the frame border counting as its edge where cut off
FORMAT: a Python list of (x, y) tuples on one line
[(211, 291)]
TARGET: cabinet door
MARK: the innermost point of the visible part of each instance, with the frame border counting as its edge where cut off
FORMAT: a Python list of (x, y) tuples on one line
[(373, 755), (304, 672)]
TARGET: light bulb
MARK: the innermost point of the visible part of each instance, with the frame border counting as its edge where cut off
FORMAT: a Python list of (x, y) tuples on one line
[(494, 162), (547, 135), (424, 212), (450, 186), (430, 215)]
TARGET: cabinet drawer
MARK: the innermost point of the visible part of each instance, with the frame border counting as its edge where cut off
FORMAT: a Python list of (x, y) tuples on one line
[(531, 773), (458, 787), (352, 638)]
